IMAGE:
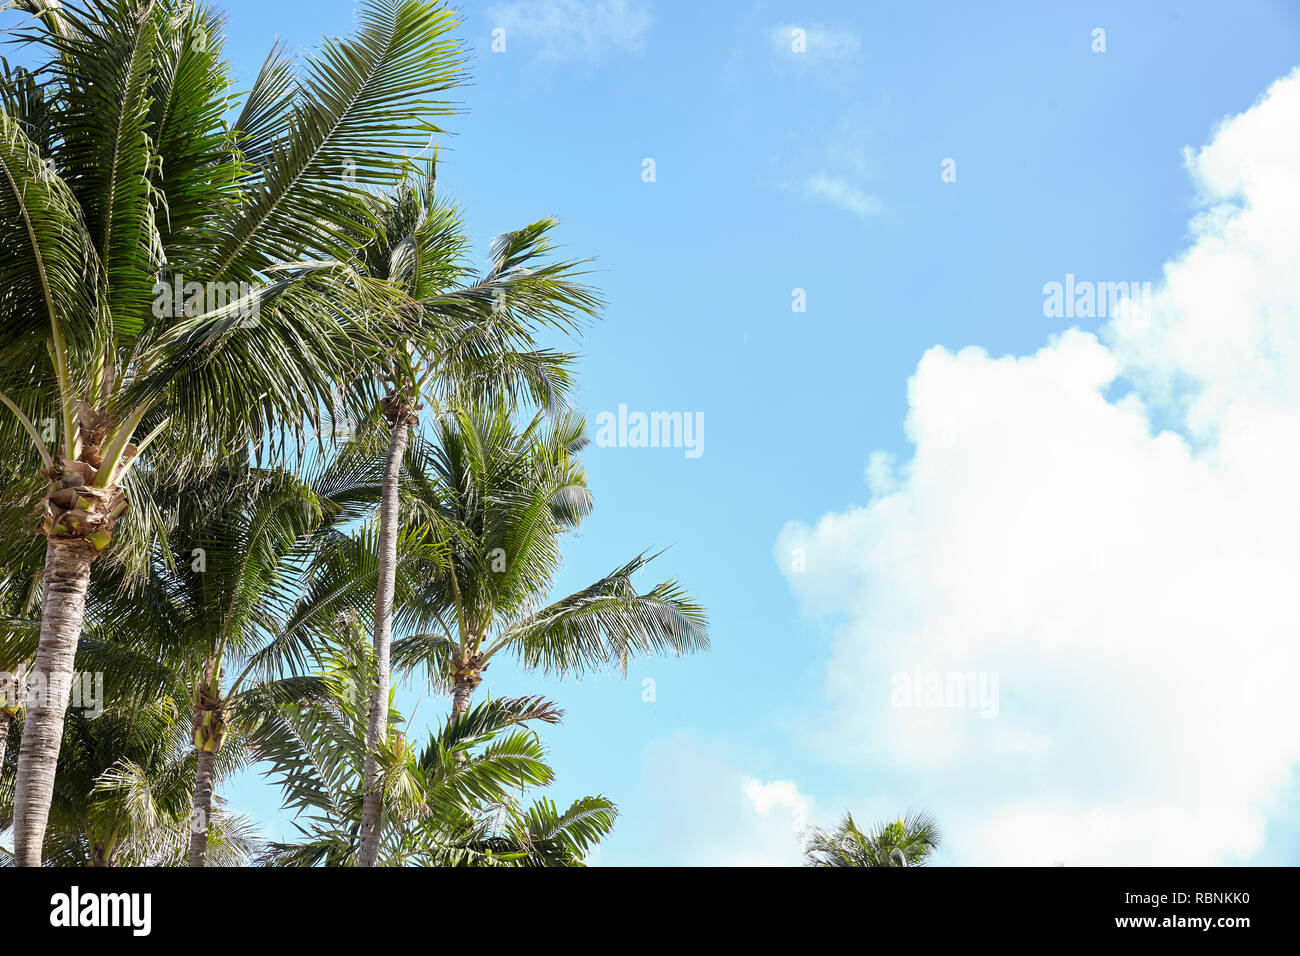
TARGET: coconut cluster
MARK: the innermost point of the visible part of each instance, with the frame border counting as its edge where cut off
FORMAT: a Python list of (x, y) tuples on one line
[(209, 720), (76, 511), (398, 409)]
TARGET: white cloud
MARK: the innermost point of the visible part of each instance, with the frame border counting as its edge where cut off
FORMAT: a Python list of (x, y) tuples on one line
[(833, 165), (813, 44), (842, 193), (780, 796), (880, 473), (697, 809), (574, 29), (1134, 589)]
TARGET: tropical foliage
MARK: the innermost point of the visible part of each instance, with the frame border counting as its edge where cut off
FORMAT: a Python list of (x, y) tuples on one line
[(500, 500), (449, 803), (907, 841), (123, 792), (176, 283), (461, 336), (262, 415)]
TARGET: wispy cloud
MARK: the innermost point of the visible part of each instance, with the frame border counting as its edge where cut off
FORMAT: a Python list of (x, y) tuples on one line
[(574, 29), (812, 44), (842, 193), (835, 167)]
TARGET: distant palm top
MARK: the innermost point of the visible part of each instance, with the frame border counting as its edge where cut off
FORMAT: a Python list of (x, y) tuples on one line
[(907, 841)]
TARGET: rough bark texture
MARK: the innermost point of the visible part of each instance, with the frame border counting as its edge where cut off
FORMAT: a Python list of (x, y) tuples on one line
[(202, 808), (209, 732), (461, 692), (466, 673), (401, 420), (67, 576)]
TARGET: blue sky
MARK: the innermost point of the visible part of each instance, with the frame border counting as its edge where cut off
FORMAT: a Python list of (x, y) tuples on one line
[(820, 171)]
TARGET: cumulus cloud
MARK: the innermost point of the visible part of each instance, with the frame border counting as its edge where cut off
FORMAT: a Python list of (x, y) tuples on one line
[(698, 809), (1109, 526), (776, 798), (574, 29)]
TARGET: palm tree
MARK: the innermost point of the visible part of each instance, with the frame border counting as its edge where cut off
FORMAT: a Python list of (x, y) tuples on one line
[(176, 283), (230, 598), (462, 338), (907, 841), (500, 499), (242, 544), (450, 804), (462, 335), (122, 793)]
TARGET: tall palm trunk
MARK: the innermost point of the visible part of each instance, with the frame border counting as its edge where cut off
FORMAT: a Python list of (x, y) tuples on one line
[(460, 696), (400, 417), (466, 672), (202, 808), (462, 690), (209, 732), (63, 607)]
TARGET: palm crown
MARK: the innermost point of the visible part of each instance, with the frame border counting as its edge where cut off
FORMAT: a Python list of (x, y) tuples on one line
[(122, 182), (452, 802), (907, 841), (496, 501)]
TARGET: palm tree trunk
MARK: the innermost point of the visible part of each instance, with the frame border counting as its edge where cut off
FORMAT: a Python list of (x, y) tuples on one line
[(63, 607), (209, 732), (401, 419), (202, 808), (461, 692)]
